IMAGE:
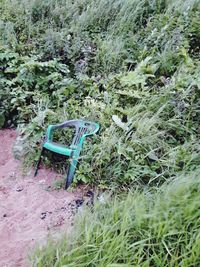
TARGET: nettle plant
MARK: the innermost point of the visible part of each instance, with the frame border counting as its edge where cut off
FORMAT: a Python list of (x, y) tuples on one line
[(25, 80)]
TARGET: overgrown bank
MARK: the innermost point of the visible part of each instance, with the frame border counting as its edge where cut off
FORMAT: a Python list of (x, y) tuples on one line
[(133, 66)]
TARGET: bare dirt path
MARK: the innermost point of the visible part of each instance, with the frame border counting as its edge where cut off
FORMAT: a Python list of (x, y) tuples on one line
[(28, 212)]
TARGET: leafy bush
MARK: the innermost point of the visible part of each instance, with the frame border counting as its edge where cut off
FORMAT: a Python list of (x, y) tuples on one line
[(25, 80)]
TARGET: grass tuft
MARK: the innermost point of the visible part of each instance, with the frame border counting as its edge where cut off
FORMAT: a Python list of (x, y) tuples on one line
[(160, 229)]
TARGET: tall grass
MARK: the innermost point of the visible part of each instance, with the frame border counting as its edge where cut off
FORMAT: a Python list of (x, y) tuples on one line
[(117, 30), (160, 229)]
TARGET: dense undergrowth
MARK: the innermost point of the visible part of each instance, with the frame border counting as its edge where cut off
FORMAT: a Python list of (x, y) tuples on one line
[(133, 66)]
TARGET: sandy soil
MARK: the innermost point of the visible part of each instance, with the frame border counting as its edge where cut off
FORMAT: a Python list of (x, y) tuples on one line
[(29, 213)]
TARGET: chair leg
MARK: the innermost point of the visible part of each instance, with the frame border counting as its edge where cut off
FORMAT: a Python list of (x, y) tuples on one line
[(38, 163), (70, 173)]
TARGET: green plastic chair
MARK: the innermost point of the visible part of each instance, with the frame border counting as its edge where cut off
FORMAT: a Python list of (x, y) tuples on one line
[(83, 129)]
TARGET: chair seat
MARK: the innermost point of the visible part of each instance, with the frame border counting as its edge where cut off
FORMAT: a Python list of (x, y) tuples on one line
[(58, 148)]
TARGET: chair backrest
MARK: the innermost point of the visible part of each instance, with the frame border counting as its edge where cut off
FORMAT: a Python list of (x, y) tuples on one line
[(82, 128)]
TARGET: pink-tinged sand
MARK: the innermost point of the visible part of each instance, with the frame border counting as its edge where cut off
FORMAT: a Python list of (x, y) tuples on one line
[(28, 212)]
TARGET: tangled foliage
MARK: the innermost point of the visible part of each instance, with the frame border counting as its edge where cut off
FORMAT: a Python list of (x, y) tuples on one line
[(133, 66)]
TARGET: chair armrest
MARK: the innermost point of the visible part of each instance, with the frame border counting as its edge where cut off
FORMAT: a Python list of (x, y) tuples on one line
[(49, 132)]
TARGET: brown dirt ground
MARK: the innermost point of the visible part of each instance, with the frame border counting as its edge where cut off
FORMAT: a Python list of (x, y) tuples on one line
[(29, 213)]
